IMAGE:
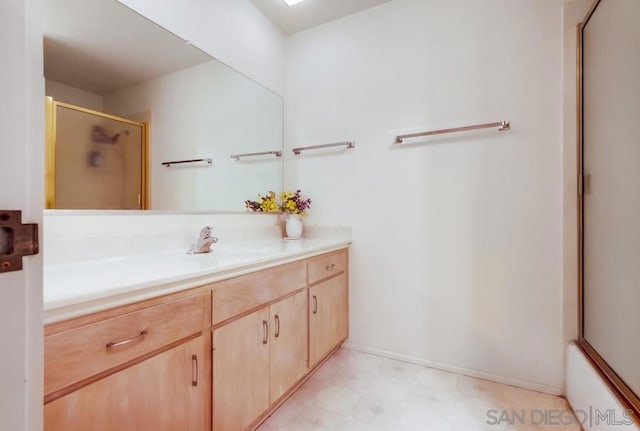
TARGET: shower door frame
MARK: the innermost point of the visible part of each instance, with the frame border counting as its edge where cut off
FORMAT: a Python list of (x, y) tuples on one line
[(615, 383), (51, 106)]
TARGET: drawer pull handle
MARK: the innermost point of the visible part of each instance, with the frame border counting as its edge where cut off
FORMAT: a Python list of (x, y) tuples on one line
[(277, 319), (330, 267), (265, 327), (315, 304), (194, 370), (114, 344)]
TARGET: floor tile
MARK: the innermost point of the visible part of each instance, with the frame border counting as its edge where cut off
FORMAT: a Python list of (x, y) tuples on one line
[(355, 391)]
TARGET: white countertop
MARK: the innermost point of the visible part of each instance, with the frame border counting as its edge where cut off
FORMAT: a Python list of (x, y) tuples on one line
[(76, 289)]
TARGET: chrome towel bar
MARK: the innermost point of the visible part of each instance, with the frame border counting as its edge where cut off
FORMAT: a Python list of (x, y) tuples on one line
[(348, 144), (501, 125), (237, 157), (179, 162)]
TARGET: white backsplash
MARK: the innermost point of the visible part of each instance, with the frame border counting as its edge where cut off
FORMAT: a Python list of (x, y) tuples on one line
[(80, 236), (70, 237)]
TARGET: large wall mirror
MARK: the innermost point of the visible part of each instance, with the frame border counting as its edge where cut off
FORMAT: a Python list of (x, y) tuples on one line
[(126, 98), (609, 63)]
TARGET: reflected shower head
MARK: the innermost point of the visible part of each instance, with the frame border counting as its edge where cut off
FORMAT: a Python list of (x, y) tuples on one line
[(99, 135)]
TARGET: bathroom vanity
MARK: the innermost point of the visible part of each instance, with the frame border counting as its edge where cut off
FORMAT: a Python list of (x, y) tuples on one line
[(221, 355)]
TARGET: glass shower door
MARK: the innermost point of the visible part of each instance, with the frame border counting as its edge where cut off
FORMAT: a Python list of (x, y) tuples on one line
[(611, 202), (95, 160)]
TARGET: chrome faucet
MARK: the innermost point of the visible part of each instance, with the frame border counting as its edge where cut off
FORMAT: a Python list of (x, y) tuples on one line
[(204, 241)]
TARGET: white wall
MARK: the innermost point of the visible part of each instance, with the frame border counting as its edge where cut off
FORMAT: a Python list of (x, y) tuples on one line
[(21, 177), (233, 31), (457, 243), (210, 111), (65, 93)]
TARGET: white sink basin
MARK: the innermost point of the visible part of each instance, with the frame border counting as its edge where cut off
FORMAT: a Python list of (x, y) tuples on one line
[(252, 250), (222, 255)]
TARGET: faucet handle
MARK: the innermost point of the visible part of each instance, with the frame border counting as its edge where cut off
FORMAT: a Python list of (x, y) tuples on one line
[(205, 232), (203, 245)]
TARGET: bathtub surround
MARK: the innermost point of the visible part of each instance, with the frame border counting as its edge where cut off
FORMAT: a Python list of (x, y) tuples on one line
[(590, 396), (457, 242)]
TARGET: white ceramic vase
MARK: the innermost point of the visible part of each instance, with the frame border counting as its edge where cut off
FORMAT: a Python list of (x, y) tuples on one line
[(293, 226)]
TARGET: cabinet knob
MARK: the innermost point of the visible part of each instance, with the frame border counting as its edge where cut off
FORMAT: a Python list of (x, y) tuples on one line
[(315, 304), (330, 267), (277, 323)]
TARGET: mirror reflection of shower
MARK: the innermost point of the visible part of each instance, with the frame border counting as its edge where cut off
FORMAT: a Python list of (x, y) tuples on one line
[(99, 134), (95, 160)]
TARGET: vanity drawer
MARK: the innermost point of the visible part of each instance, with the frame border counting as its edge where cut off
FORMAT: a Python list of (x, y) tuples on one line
[(77, 354), (328, 265), (236, 296)]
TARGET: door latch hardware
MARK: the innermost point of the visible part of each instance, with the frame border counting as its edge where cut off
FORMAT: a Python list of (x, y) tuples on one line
[(16, 240)]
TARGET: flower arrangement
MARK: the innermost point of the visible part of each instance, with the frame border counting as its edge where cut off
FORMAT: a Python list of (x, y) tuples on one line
[(264, 204), (291, 203), (294, 203)]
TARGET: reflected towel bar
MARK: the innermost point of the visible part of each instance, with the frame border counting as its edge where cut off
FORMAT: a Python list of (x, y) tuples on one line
[(348, 144), (179, 162), (237, 157), (501, 125)]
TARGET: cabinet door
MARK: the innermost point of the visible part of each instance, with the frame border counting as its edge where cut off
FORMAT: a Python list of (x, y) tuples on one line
[(241, 371), (328, 317), (167, 392), (288, 350)]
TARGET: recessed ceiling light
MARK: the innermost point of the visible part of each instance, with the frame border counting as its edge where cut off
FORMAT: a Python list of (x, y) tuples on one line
[(292, 2)]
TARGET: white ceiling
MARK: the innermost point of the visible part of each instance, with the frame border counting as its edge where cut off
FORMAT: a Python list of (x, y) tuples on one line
[(101, 46), (310, 13)]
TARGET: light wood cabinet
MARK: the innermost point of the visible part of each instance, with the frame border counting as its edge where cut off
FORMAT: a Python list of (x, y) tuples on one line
[(140, 366), (326, 266), (328, 317), (236, 296), (82, 352), (288, 351), (241, 371), (150, 365), (166, 392), (256, 359)]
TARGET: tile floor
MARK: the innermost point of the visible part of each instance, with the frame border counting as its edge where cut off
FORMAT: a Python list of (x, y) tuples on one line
[(359, 392)]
